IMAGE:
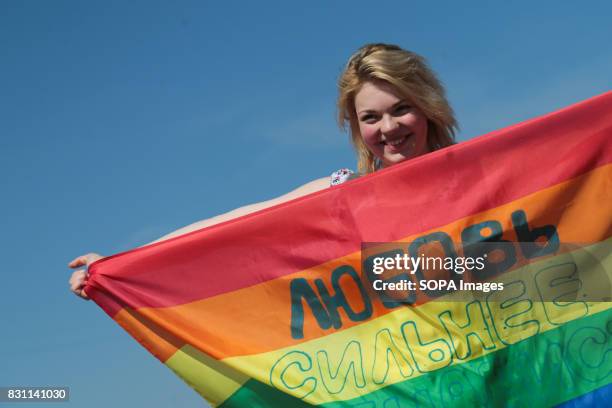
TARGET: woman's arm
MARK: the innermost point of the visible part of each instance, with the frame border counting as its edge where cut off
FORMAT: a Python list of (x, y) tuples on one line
[(313, 186)]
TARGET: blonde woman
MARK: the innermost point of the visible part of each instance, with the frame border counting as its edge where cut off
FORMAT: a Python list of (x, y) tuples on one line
[(396, 109)]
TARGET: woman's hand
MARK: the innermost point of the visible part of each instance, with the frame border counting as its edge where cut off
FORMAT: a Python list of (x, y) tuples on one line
[(79, 278)]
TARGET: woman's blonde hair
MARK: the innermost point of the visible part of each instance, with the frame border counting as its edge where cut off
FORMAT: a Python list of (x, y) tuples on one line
[(409, 74)]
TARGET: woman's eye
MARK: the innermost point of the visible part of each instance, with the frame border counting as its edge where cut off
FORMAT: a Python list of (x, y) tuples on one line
[(402, 109), (368, 118)]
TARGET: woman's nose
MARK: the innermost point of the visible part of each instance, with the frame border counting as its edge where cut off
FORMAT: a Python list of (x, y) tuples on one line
[(388, 124)]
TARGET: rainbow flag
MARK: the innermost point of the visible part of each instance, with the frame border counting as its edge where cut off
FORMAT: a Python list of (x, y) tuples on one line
[(277, 308)]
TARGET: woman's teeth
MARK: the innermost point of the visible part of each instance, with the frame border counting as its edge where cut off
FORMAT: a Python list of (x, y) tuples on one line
[(397, 142)]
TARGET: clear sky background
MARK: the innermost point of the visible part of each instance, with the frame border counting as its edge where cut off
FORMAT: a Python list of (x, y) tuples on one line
[(121, 121)]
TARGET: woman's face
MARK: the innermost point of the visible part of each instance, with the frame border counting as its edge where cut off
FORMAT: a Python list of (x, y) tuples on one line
[(390, 126)]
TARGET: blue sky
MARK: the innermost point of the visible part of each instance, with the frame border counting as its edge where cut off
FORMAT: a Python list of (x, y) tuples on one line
[(122, 121)]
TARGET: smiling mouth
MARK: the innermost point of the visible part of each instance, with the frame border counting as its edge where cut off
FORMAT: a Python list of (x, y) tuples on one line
[(396, 143)]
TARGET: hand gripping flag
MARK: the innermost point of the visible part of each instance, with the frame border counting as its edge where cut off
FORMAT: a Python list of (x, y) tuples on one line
[(278, 308)]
